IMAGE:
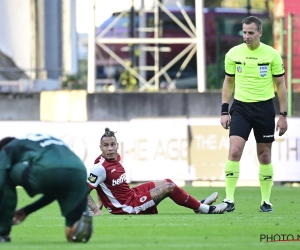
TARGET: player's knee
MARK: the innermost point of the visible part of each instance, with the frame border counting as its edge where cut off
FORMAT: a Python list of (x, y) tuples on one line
[(264, 158), (170, 187), (235, 153), (169, 181)]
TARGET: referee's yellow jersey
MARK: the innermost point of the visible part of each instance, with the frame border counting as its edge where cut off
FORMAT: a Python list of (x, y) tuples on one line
[(254, 71)]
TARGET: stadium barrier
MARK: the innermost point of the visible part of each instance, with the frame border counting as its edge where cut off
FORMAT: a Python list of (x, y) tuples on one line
[(186, 149)]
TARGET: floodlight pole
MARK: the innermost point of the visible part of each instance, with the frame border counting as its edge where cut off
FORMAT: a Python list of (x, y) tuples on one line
[(248, 8), (91, 49), (201, 75)]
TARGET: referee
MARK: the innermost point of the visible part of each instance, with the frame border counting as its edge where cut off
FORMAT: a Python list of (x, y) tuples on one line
[(252, 69)]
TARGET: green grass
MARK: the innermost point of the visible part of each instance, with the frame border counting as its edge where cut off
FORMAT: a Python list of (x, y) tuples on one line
[(174, 227)]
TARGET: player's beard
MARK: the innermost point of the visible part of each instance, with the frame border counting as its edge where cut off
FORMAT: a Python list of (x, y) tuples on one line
[(111, 156)]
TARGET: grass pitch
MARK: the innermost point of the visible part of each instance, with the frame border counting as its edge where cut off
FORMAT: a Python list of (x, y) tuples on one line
[(174, 227)]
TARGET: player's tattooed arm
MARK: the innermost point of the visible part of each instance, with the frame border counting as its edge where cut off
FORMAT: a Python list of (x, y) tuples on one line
[(92, 205), (100, 204)]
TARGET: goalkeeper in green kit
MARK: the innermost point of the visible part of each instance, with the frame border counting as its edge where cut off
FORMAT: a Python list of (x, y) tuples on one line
[(42, 164)]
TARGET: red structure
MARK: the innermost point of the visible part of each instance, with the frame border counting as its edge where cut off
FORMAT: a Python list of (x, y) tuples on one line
[(282, 9)]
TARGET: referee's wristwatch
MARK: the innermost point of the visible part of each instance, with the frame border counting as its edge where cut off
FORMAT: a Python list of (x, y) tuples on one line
[(284, 114)]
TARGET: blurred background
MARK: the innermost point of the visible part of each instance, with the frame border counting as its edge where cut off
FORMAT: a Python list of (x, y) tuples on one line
[(145, 45), (150, 69)]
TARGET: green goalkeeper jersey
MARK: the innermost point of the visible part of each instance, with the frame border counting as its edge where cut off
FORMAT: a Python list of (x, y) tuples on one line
[(253, 71), (40, 152)]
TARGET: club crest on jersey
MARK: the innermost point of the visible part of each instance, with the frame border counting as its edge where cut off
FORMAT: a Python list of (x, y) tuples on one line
[(239, 69), (93, 178), (263, 70), (143, 199)]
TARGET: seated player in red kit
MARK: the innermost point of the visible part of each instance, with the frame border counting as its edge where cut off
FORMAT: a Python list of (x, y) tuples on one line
[(108, 177)]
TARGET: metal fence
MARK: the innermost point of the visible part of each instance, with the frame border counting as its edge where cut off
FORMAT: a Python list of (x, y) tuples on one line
[(291, 48)]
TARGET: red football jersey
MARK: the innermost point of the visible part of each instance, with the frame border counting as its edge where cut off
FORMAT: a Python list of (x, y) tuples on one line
[(109, 179)]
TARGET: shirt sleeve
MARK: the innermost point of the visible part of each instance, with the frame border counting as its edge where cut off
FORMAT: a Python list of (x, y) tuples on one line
[(42, 202), (277, 65), (229, 65), (97, 174)]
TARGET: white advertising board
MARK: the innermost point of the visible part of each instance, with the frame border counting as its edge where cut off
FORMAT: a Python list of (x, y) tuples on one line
[(157, 149), (82, 137), (213, 144), (175, 148)]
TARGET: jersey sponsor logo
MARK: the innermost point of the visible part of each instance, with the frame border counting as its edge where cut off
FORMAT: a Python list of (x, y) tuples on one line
[(93, 178), (239, 69), (229, 174), (263, 70), (143, 199), (120, 180), (251, 58)]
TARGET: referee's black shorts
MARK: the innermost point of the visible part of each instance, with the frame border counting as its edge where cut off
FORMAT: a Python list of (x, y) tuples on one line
[(257, 115)]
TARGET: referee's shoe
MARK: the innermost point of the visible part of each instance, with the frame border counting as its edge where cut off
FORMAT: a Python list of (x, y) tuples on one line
[(266, 207), (230, 205)]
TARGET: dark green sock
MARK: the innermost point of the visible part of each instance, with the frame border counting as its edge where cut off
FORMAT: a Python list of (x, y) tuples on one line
[(232, 172), (266, 181)]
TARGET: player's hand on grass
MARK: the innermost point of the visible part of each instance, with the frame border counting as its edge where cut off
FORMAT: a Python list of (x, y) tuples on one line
[(19, 216), (96, 212)]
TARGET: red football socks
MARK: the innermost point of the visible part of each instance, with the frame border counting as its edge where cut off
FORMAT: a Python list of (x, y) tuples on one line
[(182, 198)]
